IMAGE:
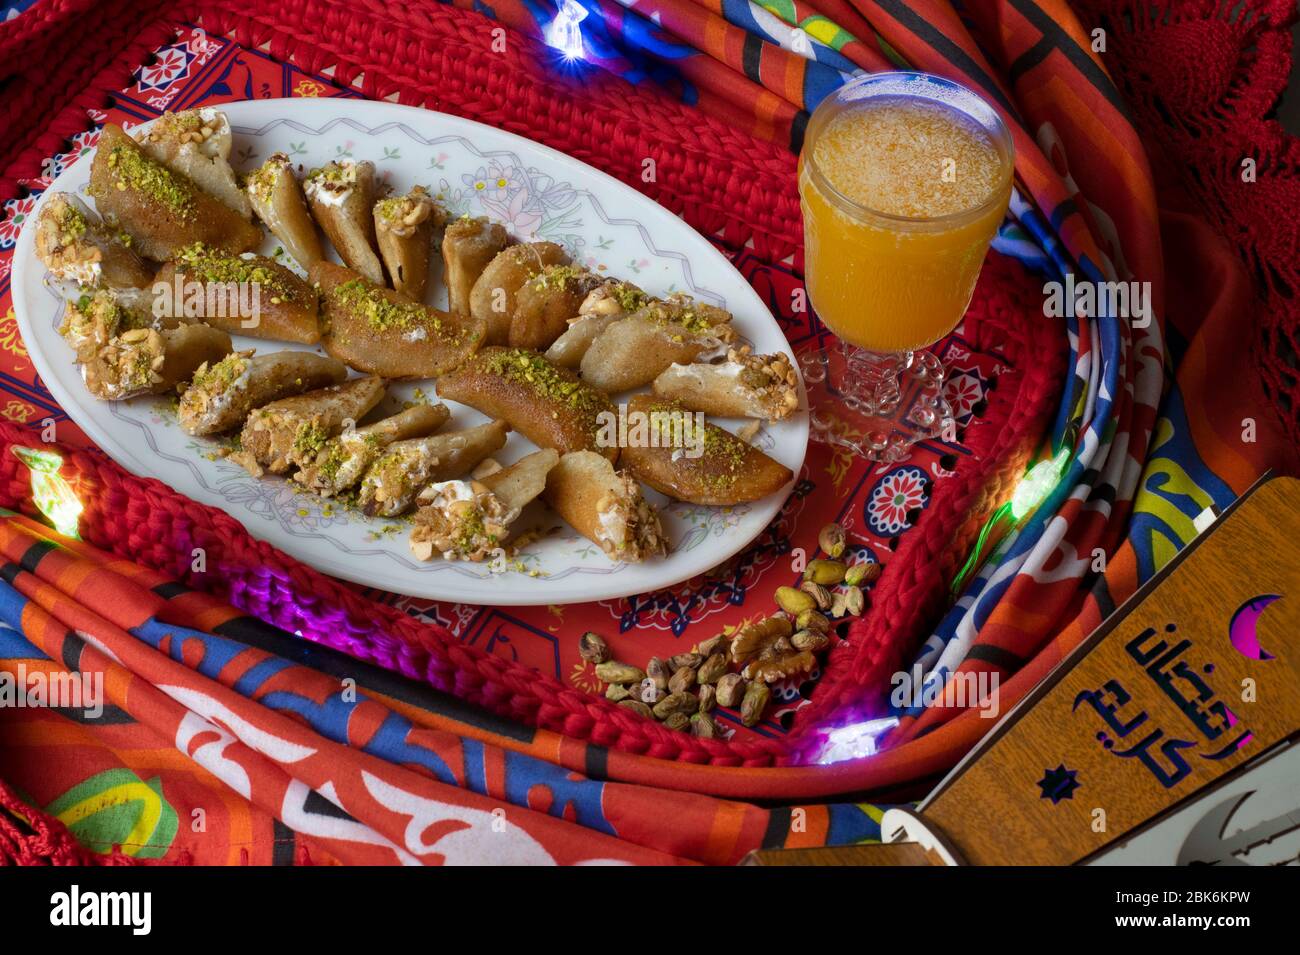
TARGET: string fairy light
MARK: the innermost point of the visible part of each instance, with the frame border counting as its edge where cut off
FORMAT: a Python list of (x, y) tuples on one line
[(854, 740), (564, 33), (51, 493)]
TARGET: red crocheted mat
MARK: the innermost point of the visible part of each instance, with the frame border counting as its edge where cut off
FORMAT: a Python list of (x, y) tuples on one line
[(144, 520)]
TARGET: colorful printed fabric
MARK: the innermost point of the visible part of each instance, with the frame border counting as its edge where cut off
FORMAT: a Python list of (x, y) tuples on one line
[(355, 764)]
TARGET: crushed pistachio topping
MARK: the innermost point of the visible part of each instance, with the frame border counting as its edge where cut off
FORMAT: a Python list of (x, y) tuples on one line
[(262, 180), (217, 378), (530, 368), (383, 314), (72, 224), (557, 277), (629, 297), (696, 319), (132, 169), (211, 265), (723, 453), (310, 437)]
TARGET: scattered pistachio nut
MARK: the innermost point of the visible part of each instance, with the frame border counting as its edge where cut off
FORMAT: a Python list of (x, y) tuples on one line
[(754, 703), (636, 706), (686, 703), (818, 593), (703, 726), (650, 692), (682, 680), (810, 640), (611, 672), (812, 620), (690, 660), (731, 688), (711, 645), (864, 573), (593, 648), (617, 692), (832, 540), (838, 603), (854, 601), (677, 721), (794, 601), (712, 669), (828, 573), (658, 671), (708, 697)]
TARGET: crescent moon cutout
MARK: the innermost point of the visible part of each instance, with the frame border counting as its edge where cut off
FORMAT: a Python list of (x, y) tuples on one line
[(1243, 627)]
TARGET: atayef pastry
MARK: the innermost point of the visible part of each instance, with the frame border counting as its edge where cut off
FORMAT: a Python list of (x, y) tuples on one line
[(605, 304), (223, 394), (633, 351), (743, 386), (605, 506), (493, 298), (162, 210), (75, 245), (725, 470), (290, 432), (470, 520), (276, 196), (219, 288), (545, 303), (549, 406), (342, 197), (392, 482), (91, 320), (146, 361), (383, 332), (196, 144), (468, 246), (342, 460), (405, 226)]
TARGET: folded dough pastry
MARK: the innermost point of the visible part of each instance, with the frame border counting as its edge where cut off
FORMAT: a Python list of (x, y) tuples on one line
[(405, 226), (492, 299), (468, 246), (743, 386), (711, 466), (196, 143), (162, 210), (288, 433), (244, 294), (548, 405), (383, 332), (633, 351), (470, 520), (342, 195), (546, 302), (341, 462), (277, 198), (76, 246), (608, 302), (391, 483), (92, 319), (146, 361), (605, 506), (224, 393)]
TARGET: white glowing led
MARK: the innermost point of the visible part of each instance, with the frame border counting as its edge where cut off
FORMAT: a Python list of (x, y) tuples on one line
[(564, 34), (855, 740), (1037, 484)]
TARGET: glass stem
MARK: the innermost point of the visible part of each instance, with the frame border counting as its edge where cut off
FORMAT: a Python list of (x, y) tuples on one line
[(871, 382)]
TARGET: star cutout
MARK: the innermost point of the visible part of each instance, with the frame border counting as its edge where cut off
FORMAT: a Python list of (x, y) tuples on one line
[(1059, 783)]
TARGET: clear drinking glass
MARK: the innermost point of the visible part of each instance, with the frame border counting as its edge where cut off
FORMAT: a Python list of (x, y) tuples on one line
[(903, 179)]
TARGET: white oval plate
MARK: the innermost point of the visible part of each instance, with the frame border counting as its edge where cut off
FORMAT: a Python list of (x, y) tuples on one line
[(537, 193)]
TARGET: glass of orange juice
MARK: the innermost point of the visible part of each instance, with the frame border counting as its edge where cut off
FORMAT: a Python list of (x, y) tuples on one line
[(903, 179)]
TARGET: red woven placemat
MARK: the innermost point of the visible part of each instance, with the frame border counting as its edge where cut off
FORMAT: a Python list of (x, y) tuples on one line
[(719, 180)]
